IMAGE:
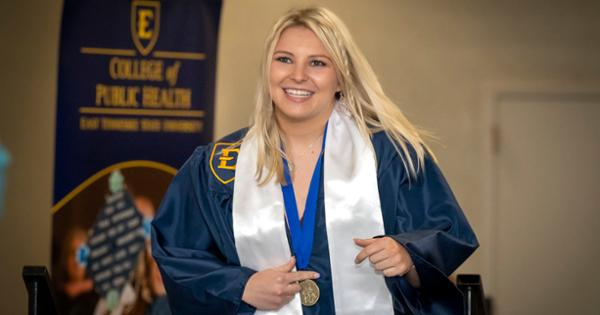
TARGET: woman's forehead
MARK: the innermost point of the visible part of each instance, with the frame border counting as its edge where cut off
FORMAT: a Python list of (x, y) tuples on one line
[(300, 39)]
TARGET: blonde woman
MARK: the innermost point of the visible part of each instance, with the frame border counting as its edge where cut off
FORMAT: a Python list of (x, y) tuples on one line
[(330, 203)]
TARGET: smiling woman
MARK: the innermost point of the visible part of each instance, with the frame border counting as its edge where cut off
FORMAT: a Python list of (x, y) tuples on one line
[(329, 175)]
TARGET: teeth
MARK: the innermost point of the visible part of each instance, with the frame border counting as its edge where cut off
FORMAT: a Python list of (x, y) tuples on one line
[(301, 93)]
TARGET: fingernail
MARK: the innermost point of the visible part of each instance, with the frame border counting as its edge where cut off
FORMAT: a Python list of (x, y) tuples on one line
[(316, 275)]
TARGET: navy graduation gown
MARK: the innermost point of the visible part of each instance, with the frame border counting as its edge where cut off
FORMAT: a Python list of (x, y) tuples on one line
[(193, 242)]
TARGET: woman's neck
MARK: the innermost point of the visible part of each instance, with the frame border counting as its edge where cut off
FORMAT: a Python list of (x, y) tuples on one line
[(301, 133)]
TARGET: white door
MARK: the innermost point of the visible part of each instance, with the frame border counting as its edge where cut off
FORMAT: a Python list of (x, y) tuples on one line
[(547, 211)]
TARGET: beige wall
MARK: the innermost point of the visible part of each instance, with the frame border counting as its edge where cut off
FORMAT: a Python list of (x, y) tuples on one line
[(433, 58), (28, 54)]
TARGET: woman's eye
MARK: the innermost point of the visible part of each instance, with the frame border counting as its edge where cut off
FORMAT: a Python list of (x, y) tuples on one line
[(283, 59), (317, 63)]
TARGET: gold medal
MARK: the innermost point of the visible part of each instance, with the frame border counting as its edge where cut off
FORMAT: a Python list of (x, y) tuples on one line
[(309, 293)]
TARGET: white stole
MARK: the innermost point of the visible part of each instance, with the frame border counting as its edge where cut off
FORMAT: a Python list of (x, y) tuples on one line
[(352, 210)]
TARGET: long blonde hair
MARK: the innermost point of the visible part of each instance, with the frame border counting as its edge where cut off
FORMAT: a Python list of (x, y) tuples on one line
[(372, 110)]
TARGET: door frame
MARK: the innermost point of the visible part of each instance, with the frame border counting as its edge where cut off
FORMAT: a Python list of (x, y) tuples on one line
[(493, 93)]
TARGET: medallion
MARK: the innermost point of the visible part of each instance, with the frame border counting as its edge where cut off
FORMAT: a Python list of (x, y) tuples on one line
[(309, 294)]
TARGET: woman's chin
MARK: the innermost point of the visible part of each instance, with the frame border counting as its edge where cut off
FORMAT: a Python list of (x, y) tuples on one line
[(296, 115)]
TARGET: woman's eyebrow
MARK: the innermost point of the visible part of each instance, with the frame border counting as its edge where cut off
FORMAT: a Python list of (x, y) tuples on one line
[(283, 52), (320, 56), (291, 54)]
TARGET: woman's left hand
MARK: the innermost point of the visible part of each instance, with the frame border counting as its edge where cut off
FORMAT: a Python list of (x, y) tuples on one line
[(386, 255)]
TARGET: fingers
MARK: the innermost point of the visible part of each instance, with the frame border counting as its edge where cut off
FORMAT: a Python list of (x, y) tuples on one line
[(287, 286), (284, 290), (288, 266), (385, 254), (374, 246), (393, 266), (364, 242), (386, 264), (292, 289), (379, 257), (301, 275), (271, 289)]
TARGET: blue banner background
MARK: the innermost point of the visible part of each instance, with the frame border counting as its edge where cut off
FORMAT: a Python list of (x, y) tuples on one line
[(186, 26)]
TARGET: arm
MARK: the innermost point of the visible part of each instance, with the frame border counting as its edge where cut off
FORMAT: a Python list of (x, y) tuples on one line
[(432, 228), (198, 275), (193, 245), (424, 219), (431, 225)]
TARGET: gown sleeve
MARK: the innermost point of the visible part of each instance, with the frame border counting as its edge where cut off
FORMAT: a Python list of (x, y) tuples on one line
[(192, 246), (423, 215)]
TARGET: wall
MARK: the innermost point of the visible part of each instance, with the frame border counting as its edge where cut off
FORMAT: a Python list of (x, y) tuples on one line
[(434, 58), (29, 56)]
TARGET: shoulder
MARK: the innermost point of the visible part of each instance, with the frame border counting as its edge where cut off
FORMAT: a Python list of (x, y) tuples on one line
[(214, 164), (388, 151), (384, 147), (223, 157), (390, 156)]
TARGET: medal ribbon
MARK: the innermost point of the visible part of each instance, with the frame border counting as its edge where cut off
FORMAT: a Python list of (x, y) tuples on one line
[(302, 233)]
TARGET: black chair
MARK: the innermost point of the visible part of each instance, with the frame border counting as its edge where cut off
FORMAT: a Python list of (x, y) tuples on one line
[(40, 291), (474, 298)]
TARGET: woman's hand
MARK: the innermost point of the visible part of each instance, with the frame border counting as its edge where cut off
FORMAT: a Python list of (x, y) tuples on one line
[(389, 257), (273, 288)]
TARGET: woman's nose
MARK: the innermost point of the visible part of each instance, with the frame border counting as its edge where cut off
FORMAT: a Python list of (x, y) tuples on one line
[(299, 74)]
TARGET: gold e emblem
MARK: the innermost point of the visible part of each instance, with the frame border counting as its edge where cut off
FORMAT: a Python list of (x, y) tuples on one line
[(145, 24), (223, 160), (226, 156)]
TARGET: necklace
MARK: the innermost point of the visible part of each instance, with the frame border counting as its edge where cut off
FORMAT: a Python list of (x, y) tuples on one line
[(310, 149)]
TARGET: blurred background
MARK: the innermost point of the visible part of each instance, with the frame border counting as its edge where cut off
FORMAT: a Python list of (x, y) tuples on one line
[(510, 88)]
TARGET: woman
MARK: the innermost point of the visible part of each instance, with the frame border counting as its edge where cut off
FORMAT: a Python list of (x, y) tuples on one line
[(75, 290), (329, 203)]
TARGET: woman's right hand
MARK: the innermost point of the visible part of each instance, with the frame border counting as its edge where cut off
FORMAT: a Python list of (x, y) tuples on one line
[(273, 288)]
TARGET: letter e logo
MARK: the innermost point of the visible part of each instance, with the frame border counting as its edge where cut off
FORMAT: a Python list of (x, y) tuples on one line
[(145, 24)]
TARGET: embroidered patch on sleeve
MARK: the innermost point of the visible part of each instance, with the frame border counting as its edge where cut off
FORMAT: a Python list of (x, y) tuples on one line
[(223, 160)]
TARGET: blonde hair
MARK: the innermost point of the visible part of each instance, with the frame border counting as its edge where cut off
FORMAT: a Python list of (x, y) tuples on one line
[(372, 110)]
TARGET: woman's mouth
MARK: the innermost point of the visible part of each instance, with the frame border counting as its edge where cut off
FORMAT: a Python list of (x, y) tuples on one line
[(298, 94)]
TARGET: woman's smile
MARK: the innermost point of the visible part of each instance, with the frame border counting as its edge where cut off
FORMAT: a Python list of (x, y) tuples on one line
[(298, 95)]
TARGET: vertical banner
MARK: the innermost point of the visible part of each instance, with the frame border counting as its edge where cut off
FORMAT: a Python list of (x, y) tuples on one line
[(135, 97)]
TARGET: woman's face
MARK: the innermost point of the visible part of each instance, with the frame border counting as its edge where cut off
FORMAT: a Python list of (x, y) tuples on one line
[(303, 79)]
